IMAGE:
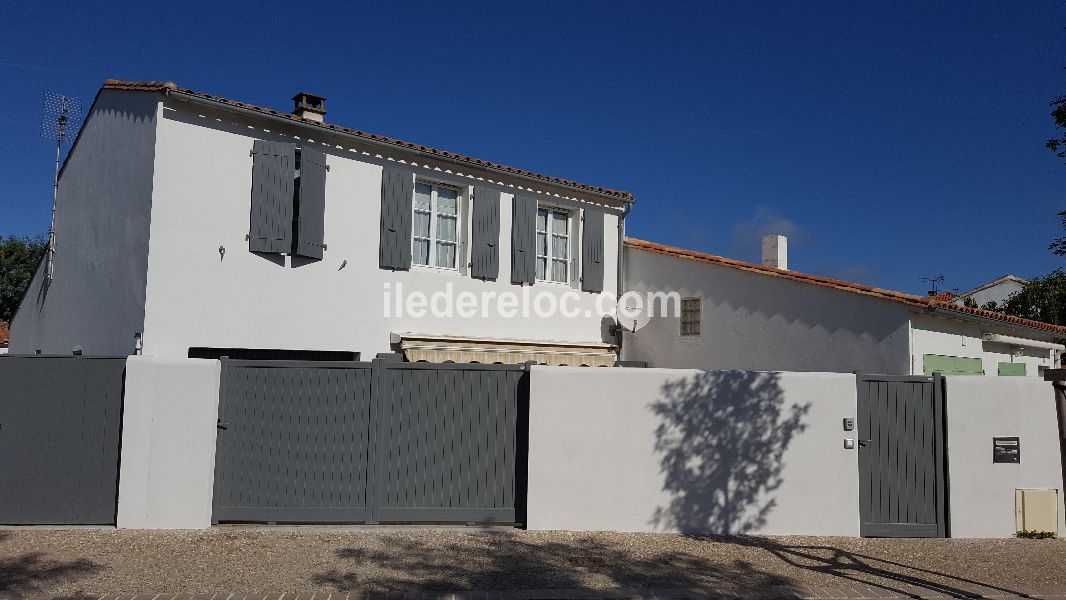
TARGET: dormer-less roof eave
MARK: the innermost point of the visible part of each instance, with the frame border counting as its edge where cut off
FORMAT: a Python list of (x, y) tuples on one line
[(618, 199)]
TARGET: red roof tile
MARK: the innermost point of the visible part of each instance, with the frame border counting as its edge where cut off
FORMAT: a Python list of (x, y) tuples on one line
[(938, 302), (171, 87), (944, 296)]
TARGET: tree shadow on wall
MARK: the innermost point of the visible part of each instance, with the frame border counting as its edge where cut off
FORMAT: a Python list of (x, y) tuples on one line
[(28, 573), (721, 439)]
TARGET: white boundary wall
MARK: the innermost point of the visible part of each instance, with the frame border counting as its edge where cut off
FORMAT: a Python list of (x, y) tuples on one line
[(603, 444), (981, 493), (166, 473)]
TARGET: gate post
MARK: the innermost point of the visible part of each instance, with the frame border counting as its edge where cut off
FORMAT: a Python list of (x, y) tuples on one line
[(373, 443)]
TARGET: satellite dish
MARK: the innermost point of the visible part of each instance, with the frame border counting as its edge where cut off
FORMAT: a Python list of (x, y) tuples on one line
[(631, 314)]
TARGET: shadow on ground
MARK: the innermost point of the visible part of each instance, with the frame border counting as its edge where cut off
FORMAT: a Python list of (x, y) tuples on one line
[(505, 561), (854, 568), (529, 561), (27, 573)]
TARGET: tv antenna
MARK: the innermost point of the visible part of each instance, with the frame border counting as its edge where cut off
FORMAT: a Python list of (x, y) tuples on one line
[(934, 282), (59, 121)]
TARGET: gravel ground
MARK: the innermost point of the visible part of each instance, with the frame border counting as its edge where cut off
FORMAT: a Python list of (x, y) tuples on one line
[(35, 561)]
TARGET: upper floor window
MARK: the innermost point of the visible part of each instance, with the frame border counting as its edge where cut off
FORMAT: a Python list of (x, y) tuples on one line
[(435, 230), (553, 245)]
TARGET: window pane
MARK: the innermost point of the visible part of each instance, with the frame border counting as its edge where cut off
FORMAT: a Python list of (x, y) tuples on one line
[(422, 192), (446, 200), (542, 219), (559, 222), (559, 271), (420, 252), (421, 224), (446, 228), (445, 255), (541, 266), (559, 247), (542, 244)]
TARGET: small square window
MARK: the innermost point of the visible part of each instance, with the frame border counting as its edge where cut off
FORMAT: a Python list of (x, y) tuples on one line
[(690, 316)]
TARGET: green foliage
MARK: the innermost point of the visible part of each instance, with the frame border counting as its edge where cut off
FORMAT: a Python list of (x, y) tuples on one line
[(990, 305), (1058, 112), (1035, 535), (19, 259), (1059, 245), (1042, 299)]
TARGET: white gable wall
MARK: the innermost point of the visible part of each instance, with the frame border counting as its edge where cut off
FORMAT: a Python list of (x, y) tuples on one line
[(96, 298), (997, 293), (197, 298), (755, 322)]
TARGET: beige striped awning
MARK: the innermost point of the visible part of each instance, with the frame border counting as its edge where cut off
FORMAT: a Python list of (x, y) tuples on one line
[(442, 348)]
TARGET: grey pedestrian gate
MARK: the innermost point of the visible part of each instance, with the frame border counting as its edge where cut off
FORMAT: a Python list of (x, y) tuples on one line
[(902, 462), (60, 423), (350, 442)]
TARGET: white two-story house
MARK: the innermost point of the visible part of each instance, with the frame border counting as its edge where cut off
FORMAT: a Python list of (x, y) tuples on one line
[(190, 225)]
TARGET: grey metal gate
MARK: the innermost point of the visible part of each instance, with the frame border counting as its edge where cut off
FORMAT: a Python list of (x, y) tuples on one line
[(60, 424), (349, 442), (902, 460)]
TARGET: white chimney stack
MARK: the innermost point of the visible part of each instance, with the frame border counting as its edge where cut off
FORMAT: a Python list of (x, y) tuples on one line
[(775, 251)]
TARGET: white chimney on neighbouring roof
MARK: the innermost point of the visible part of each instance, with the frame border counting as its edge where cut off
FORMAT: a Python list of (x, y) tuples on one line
[(309, 106), (775, 251)]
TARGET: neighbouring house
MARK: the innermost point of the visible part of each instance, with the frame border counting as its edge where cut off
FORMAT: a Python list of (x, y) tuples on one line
[(203, 227), (997, 291), (747, 316), (5, 334)]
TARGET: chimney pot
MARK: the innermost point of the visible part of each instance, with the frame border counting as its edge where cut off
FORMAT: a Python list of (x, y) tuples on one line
[(775, 251), (309, 106)]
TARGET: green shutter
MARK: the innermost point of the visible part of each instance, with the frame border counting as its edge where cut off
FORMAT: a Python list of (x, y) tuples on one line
[(1012, 369), (951, 365)]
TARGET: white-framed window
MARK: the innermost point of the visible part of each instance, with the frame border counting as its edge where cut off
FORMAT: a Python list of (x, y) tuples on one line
[(553, 244), (435, 227)]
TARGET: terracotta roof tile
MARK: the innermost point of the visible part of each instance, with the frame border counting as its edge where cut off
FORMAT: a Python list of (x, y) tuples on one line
[(944, 296), (937, 302), (5, 332), (171, 87)]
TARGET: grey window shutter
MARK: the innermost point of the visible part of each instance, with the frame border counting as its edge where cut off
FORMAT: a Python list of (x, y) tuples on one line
[(592, 251), (485, 234), (311, 204), (397, 196), (270, 217), (523, 239)]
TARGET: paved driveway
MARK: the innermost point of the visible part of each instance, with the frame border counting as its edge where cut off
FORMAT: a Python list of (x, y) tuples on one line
[(35, 562)]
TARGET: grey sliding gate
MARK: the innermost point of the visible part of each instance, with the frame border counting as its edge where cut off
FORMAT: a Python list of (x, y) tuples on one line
[(60, 423), (349, 442), (902, 464)]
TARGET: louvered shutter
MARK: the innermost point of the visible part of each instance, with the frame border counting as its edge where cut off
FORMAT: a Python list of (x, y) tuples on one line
[(311, 208), (485, 234), (523, 239), (397, 193), (592, 251), (270, 217)]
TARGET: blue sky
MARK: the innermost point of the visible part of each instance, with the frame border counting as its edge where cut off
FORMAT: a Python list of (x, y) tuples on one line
[(890, 141)]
